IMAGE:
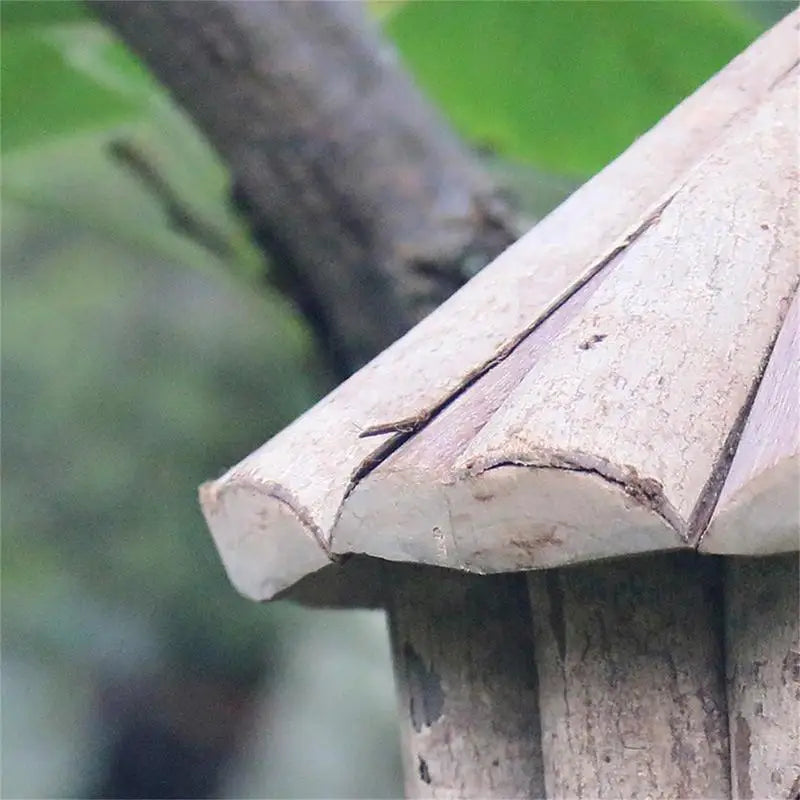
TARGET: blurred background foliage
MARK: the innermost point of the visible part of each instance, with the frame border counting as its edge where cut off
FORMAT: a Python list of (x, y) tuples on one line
[(143, 352)]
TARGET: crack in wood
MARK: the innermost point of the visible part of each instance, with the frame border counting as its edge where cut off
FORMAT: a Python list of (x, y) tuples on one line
[(647, 491), (701, 515), (407, 427)]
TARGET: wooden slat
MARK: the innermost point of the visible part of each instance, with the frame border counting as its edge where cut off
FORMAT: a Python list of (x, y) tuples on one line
[(631, 685), (759, 508), (762, 638), (614, 414), (290, 491), (433, 514), (469, 716)]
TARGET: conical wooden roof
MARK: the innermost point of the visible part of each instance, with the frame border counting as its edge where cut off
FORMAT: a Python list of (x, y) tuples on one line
[(583, 397)]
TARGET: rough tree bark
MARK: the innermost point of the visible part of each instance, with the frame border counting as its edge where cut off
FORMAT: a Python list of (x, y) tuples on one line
[(762, 637), (462, 671), (372, 213), (629, 656), (360, 194)]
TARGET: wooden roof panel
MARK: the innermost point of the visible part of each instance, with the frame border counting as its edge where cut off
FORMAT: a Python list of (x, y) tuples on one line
[(610, 350)]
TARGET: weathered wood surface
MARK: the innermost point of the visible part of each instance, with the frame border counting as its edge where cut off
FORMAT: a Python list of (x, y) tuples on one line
[(758, 511), (286, 497), (630, 667), (762, 640), (488, 522), (462, 649), (614, 419)]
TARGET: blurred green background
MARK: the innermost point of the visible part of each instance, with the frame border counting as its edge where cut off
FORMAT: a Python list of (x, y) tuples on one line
[(142, 353)]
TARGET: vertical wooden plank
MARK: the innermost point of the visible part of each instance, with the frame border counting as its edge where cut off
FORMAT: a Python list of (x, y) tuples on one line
[(463, 654), (631, 686), (763, 668)]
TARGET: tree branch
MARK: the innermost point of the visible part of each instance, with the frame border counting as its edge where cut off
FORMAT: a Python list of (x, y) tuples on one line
[(370, 208)]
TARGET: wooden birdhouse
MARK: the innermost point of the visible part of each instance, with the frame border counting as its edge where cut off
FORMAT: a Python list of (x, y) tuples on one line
[(575, 486)]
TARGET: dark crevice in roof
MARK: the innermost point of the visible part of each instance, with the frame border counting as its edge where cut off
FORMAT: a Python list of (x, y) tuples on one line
[(406, 428), (704, 508)]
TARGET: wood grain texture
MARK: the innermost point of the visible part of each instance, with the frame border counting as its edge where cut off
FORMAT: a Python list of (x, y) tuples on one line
[(631, 685), (758, 511), (599, 435), (500, 520), (762, 638), (468, 697), (615, 219)]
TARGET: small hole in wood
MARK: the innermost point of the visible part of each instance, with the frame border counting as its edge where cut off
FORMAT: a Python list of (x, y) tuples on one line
[(592, 341), (424, 774)]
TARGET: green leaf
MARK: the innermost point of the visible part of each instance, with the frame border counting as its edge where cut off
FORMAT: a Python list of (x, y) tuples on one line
[(81, 183), (41, 12), (767, 13), (381, 10), (170, 198), (44, 96), (92, 50), (564, 86)]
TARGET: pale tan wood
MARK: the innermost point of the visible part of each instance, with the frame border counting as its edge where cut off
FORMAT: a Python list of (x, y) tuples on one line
[(265, 540), (468, 695), (623, 400), (433, 515), (762, 639), (630, 669), (272, 515), (758, 511)]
